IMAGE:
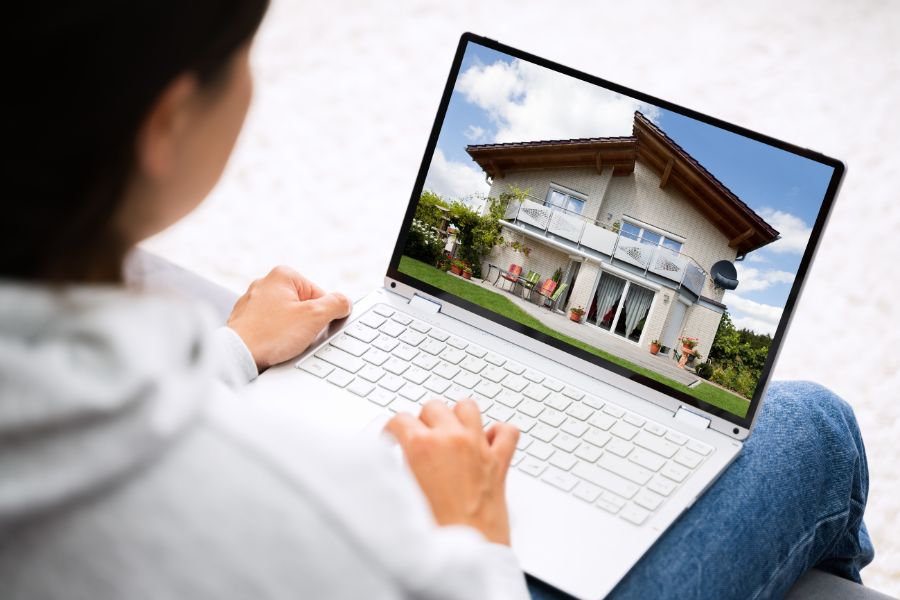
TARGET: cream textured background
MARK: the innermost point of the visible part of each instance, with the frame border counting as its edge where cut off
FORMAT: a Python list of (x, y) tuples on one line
[(346, 94)]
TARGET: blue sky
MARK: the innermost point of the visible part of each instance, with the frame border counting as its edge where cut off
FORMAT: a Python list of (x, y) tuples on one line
[(500, 99)]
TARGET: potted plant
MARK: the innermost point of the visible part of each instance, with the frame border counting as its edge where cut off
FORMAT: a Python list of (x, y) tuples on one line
[(456, 267), (467, 272), (654, 347), (687, 350), (575, 313)]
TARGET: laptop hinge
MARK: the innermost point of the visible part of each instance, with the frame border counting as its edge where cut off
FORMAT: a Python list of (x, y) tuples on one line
[(692, 418), (424, 304)]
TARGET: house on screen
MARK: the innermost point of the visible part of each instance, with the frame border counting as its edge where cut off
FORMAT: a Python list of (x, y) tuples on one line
[(634, 223)]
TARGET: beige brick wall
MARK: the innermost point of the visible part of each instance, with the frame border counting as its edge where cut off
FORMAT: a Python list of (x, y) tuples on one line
[(585, 181), (659, 311), (543, 258), (702, 323), (584, 284)]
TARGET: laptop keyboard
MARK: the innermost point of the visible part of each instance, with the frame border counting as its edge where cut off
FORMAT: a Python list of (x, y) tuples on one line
[(583, 445)]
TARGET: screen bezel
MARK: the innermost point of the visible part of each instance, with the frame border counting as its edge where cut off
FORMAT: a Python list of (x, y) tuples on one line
[(808, 255)]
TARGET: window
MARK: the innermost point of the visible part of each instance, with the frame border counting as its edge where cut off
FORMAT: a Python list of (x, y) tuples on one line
[(565, 201), (651, 238)]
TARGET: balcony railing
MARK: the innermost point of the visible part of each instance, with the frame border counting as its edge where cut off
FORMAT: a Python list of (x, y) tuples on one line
[(586, 233)]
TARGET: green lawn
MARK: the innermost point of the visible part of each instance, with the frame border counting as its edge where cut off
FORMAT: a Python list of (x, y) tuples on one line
[(504, 306)]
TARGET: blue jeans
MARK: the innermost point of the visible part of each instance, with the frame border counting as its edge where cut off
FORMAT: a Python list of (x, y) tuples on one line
[(793, 500)]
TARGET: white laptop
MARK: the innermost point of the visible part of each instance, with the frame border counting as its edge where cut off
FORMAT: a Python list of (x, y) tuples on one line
[(610, 272)]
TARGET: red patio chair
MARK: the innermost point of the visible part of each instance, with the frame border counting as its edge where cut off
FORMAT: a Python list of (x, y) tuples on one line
[(512, 274)]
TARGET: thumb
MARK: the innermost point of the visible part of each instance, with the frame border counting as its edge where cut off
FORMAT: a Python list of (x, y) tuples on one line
[(326, 308)]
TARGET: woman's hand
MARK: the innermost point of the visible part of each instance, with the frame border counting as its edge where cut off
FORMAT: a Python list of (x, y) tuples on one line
[(461, 470), (282, 313)]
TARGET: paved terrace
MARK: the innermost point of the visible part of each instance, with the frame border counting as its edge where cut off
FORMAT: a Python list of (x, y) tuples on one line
[(593, 335)]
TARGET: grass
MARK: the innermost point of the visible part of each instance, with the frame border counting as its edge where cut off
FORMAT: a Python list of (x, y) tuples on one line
[(504, 306)]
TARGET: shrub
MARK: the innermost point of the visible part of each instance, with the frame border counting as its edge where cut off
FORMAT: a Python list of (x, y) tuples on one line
[(735, 378), (422, 243), (704, 370)]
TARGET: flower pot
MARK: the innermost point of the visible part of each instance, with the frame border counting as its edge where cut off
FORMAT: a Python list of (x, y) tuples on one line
[(575, 317), (455, 270), (467, 274), (654, 348)]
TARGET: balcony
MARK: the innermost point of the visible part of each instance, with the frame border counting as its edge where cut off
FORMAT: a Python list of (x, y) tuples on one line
[(584, 233)]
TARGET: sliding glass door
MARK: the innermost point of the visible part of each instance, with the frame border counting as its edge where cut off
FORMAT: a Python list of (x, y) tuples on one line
[(624, 318)]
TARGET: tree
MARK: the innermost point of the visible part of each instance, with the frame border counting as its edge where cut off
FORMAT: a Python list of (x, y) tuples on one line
[(428, 210)]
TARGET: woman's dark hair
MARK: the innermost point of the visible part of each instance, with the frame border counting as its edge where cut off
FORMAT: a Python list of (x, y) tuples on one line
[(83, 77)]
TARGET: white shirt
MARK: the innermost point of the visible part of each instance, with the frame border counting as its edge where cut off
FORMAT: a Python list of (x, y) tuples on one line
[(129, 469)]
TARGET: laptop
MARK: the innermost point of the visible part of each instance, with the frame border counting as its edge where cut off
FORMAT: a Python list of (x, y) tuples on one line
[(610, 272)]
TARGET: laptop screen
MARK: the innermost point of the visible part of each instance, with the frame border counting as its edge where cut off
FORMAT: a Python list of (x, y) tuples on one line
[(647, 238)]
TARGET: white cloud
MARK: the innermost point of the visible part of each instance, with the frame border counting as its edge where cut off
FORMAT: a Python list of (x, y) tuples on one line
[(755, 316), (794, 231), (752, 279), (755, 257), (454, 180), (474, 133), (528, 102)]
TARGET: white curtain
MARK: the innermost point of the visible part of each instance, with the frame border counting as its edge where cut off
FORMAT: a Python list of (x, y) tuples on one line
[(609, 290), (636, 306)]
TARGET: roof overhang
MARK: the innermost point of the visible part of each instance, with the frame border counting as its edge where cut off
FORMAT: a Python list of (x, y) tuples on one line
[(598, 153)]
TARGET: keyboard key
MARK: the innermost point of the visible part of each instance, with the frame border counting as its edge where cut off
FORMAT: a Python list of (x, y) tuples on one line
[(566, 442), (508, 398), (341, 359), (445, 370), (543, 432), (634, 514), (383, 310), (401, 405), (392, 328), (372, 320), (540, 450), (432, 346), (676, 438), (588, 452), (646, 459), (522, 422), (648, 500), (655, 444), (457, 342), (514, 368), (317, 367), (587, 492), (674, 472), (633, 419), (533, 376), (420, 326), (515, 383), (607, 505), (476, 351), (391, 382), (661, 485), (385, 343), (572, 393), (531, 408), (601, 421), (401, 318), (560, 479), (487, 388), (614, 498), (457, 392), (524, 441), (619, 447), (405, 352), (624, 468), (495, 374), (552, 417), (655, 428), (498, 412), (574, 427), (425, 361), (395, 365), (612, 409), (580, 411), (558, 401), (596, 437), (376, 356), (518, 455), (696, 446), (371, 373), (494, 359), (340, 378), (475, 365), (605, 479), (413, 338), (436, 384), (536, 392), (362, 332), (482, 402), (416, 374), (688, 459), (553, 385), (361, 387), (452, 355), (412, 392), (381, 397), (624, 430), (466, 379), (532, 466), (592, 401), (438, 334)]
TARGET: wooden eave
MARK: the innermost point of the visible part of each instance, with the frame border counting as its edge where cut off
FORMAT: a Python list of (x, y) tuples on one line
[(599, 154)]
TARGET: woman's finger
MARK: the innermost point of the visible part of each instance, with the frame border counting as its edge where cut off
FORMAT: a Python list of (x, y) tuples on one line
[(437, 414), (502, 438), (468, 413), (403, 426)]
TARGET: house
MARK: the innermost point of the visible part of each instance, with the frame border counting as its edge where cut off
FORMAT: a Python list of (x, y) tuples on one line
[(634, 223)]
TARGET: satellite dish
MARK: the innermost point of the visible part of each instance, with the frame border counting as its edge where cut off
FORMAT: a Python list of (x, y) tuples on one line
[(724, 275)]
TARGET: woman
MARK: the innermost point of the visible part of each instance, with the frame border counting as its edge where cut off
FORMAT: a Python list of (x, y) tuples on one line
[(128, 469)]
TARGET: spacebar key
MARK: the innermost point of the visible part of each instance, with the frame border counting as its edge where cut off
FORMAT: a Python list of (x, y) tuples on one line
[(605, 479)]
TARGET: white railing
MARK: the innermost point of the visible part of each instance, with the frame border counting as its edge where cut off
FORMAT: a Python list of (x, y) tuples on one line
[(585, 233)]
